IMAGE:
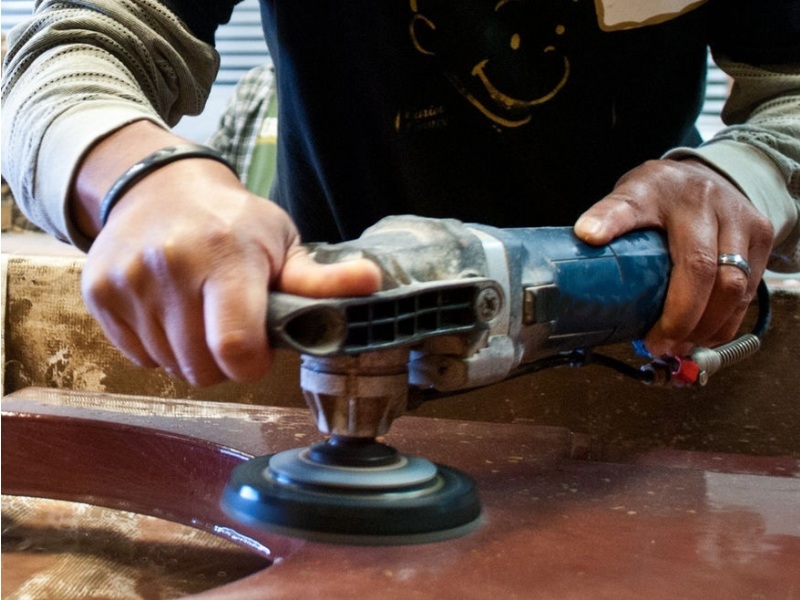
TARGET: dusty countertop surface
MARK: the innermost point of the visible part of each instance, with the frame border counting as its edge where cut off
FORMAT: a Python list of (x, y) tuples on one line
[(664, 524)]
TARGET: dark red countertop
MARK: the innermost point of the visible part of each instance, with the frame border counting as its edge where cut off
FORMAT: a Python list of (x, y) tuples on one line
[(665, 524)]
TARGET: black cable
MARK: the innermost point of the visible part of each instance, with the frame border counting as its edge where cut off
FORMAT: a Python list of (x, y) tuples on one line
[(764, 310), (622, 367), (582, 357)]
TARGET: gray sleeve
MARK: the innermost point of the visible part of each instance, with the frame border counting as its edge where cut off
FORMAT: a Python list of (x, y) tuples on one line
[(76, 72), (760, 149)]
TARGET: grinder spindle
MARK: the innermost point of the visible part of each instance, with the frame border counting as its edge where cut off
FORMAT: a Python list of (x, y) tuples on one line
[(352, 488)]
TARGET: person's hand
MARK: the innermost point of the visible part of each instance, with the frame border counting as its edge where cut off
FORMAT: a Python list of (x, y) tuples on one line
[(179, 276), (704, 216)]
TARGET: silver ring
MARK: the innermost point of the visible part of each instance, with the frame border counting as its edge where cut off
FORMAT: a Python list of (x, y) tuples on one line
[(735, 260)]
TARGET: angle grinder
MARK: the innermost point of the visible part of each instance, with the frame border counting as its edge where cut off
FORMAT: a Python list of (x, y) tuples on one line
[(462, 306)]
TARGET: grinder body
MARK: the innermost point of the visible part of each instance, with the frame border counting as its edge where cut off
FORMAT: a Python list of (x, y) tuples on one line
[(462, 306)]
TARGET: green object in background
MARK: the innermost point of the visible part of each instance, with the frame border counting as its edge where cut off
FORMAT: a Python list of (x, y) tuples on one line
[(263, 162)]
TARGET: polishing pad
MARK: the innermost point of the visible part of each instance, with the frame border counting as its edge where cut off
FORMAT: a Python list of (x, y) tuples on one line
[(395, 499)]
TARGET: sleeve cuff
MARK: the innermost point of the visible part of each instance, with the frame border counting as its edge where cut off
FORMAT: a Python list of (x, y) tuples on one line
[(66, 142), (757, 176)]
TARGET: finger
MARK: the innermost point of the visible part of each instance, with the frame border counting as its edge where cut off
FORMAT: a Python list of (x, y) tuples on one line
[(155, 342), (728, 330), (693, 253), (124, 339), (179, 321), (197, 364), (107, 301), (694, 266), (303, 276), (186, 333), (168, 328), (730, 295), (234, 312)]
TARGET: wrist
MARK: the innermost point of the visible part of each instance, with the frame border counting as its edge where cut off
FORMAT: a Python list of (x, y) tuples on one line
[(105, 162), (149, 164)]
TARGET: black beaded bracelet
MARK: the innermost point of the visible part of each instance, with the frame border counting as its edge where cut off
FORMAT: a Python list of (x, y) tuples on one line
[(150, 163)]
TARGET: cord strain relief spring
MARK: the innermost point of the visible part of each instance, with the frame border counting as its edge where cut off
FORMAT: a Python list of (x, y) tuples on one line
[(711, 360)]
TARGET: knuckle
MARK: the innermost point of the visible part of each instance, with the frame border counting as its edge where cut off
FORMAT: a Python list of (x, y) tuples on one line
[(701, 264), (171, 256), (132, 273), (202, 376), (733, 284), (632, 201), (219, 236), (218, 244), (622, 205), (96, 289), (234, 347), (103, 286), (663, 168), (175, 253), (762, 232)]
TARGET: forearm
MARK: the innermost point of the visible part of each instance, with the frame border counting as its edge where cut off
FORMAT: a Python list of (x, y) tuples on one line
[(75, 75), (760, 150)]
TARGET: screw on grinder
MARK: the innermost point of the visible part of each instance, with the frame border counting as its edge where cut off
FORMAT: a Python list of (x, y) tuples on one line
[(355, 491)]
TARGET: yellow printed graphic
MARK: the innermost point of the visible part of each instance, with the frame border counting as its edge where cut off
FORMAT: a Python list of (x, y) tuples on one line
[(512, 65)]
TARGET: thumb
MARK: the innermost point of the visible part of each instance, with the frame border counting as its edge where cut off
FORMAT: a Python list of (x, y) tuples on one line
[(609, 218), (631, 205), (303, 276)]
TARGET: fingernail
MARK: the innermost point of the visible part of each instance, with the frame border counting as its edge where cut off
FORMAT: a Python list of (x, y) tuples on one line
[(589, 226), (662, 348)]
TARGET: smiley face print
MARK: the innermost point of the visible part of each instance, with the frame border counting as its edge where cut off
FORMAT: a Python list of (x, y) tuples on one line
[(505, 57)]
